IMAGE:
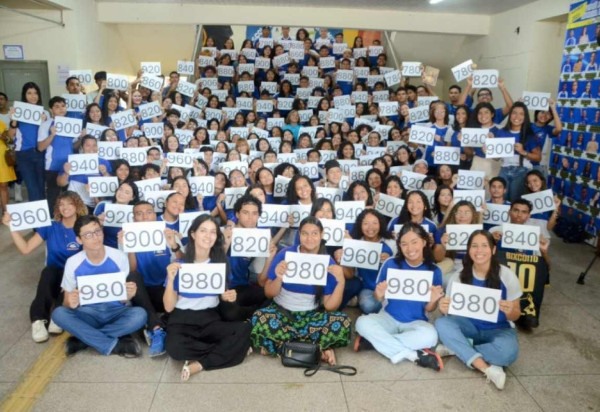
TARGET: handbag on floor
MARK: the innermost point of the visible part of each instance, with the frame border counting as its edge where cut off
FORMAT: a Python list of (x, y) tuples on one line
[(296, 354)]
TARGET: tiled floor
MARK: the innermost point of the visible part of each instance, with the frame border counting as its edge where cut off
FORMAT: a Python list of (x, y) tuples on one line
[(558, 368)]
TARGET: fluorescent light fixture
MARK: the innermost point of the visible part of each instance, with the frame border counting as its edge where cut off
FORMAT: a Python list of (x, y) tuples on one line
[(435, 1)]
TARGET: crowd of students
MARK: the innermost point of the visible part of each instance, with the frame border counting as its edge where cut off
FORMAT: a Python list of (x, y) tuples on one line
[(294, 150)]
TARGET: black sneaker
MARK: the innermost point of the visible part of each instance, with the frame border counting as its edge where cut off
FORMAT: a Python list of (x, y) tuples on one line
[(429, 359), (361, 343), (527, 323), (74, 345), (127, 347)]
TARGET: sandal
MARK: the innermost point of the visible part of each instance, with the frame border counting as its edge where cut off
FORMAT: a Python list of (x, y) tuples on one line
[(188, 370)]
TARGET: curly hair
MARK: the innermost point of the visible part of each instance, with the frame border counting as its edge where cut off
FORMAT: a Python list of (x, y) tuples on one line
[(80, 207)]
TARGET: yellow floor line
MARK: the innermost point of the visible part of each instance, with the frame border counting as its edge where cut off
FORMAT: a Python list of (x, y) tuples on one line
[(36, 379)]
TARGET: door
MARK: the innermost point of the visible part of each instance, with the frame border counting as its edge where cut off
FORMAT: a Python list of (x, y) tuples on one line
[(14, 74)]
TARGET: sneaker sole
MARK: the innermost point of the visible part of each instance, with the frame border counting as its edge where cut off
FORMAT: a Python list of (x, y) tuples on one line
[(437, 356), (156, 355)]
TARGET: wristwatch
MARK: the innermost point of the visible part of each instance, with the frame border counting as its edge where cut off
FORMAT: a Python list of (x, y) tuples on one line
[(176, 249)]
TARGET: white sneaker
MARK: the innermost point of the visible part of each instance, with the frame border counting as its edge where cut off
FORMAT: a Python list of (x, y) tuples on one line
[(38, 331), (54, 329), (18, 193), (443, 351), (496, 375)]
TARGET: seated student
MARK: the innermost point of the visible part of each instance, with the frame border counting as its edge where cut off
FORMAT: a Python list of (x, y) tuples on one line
[(482, 345), (126, 194), (149, 171), (535, 279), (148, 270), (370, 227), (400, 330), (250, 293), (295, 314), (103, 326), (60, 245), (174, 206), (416, 209), (197, 333)]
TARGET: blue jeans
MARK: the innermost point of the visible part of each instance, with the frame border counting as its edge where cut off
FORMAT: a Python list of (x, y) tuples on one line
[(515, 181), (351, 289), (100, 325), (496, 346), (31, 167), (367, 302), (395, 340)]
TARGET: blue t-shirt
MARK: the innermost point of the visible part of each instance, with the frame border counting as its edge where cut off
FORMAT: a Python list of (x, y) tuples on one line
[(369, 276), (153, 266), (530, 144), (110, 233), (406, 310), (61, 243)]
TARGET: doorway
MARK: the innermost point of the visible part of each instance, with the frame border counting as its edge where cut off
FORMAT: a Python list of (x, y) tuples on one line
[(14, 74)]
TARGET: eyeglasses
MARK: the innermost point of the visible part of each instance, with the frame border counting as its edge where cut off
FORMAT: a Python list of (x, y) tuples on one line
[(90, 235), (484, 94)]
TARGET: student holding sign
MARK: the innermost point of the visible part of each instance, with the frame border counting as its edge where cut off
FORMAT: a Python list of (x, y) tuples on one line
[(26, 117), (545, 132), (400, 331), (486, 345), (60, 245), (197, 333), (127, 194), (95, 309), (417, 210), (482, 118), (301, 310), (535, 182)]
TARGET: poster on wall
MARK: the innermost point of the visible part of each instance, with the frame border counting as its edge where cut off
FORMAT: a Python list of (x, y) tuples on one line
[(575, 161)]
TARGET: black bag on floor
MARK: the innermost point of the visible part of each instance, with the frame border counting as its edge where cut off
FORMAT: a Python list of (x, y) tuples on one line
[(308, 355)]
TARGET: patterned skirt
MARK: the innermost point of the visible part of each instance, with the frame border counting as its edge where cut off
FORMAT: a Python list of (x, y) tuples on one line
[(273, 325)]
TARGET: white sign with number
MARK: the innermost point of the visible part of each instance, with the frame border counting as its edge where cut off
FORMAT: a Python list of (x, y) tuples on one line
[(183, 160), (306, 268), (418, 114), (521, 237), (422, 135), (474, 302), (202, 185), (536, 100), (388, 109), (470, 179), (495, 214), (96, 130), (334, 232), (333, 194), (151, 82), (281, 186), (348, 211), (250, 242), (274, 216), (389, 205), (67, 126), (485, 78), (202, 278), (393, 78), (414, 285), (186, 220), (75, 102), (144, 237), (117, 81), (476, 197), (361, 254), (83, 164), (151, 68), (27, 113), (124, 119), (149, 185), (115, 215), (542, 201), (412, 180), (299, 213), (103, 186), (411, 69), (109, 287), (135, 156), (154, 130), (150, 110), (185, 67), (29, 215), (463, 70), (157, 199), (84, 76), (446, 155), (473, 137), (499, 147), (458, 235), (232, 194)]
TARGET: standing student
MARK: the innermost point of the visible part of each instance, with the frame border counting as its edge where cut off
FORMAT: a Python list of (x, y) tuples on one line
[(482, 117), (482, 345), (7, 172), (60, 245), (545, 132), (197, 333), (102, 326), (30, 161), (400, 331)]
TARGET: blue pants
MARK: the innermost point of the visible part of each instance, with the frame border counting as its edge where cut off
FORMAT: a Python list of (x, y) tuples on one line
[(515, 181), (31, 167), (101, 325), (367, 302), (496, 346)]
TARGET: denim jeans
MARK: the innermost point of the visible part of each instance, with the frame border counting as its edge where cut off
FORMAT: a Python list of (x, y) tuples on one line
[(100, 325), (515, 181), (496, 346), (31, 167), (351, 289), (367, 302), (395, 340)]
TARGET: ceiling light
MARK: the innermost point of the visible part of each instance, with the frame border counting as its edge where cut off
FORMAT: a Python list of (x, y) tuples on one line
[(435, 1)]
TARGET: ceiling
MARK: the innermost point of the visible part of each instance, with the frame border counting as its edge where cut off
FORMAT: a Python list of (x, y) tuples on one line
[(485, 7)]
